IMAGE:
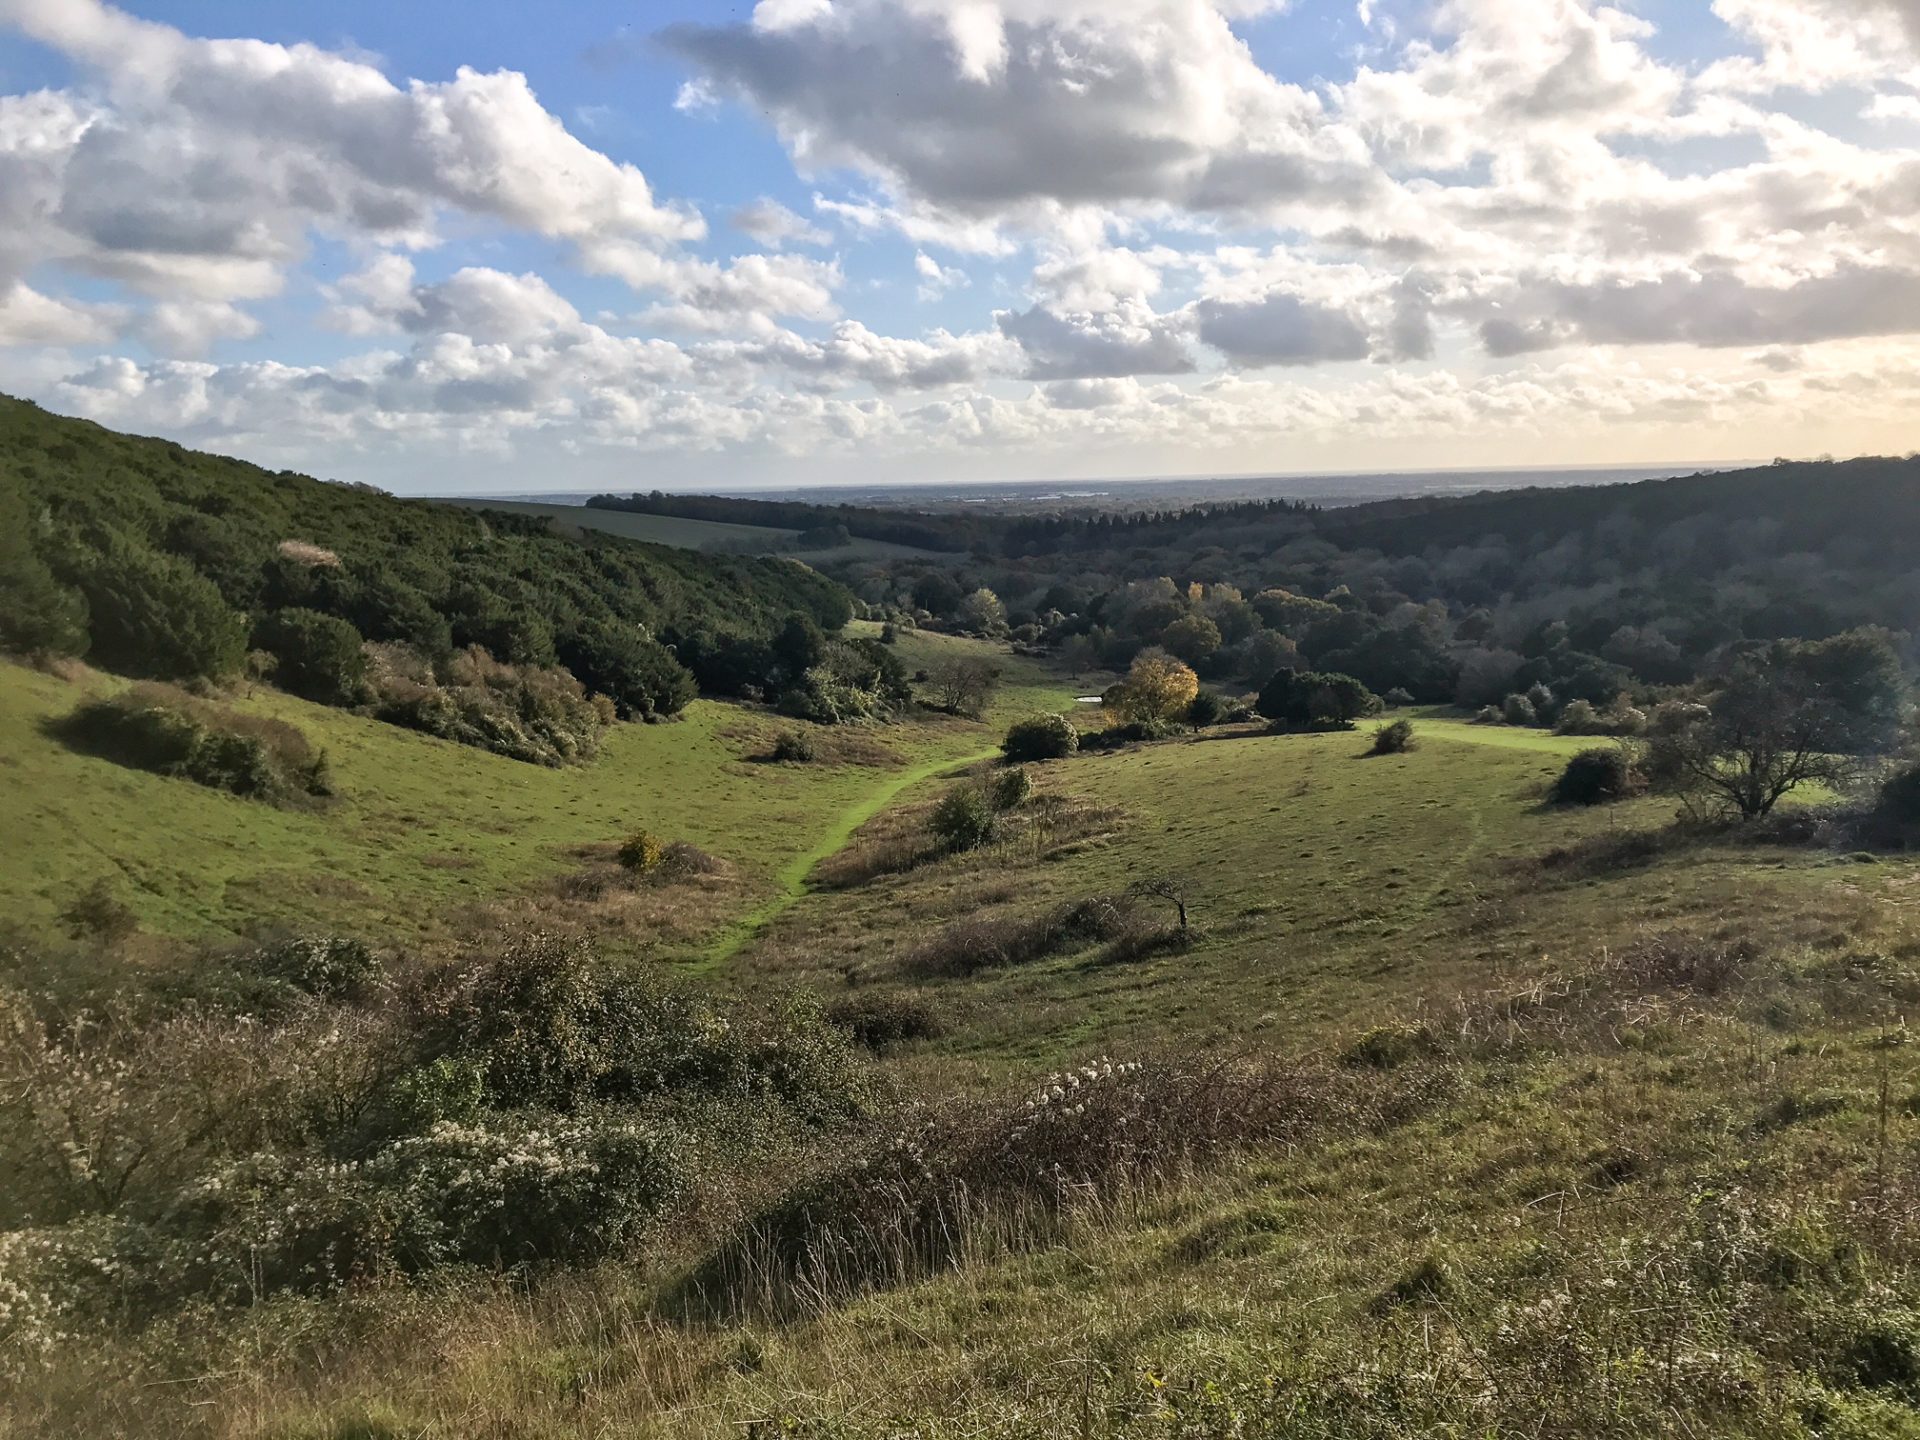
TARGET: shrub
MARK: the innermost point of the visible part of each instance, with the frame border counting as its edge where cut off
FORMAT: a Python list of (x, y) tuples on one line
[(795, 747), (1395, 738), (1312, 699), (683, 861), (550, 1024), (642, 852), (319, 656), (1041, 737), (630, 668), (1010, 789), (506, 1191), (1131, 732), (327, 966), (1518, 710), (1597, 776), (1579, 718), (964, 819), (1209, 707), (880, 1019), (151, 614), (1900, 795), (1489, 715), (97, 914), (1398, 698), (168, 732), (542, 716)]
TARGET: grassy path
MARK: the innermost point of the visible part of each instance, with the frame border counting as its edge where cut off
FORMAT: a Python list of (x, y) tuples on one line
[(791, 882), (1506, 737)]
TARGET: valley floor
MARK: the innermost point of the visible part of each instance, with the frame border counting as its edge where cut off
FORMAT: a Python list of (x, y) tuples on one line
[(1468, 1118)]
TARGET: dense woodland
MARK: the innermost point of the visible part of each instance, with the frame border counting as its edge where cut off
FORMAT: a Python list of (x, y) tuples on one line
[(154, 561), (1589, 591)]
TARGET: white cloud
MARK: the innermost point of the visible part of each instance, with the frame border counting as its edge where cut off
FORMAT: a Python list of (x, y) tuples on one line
[(1130, 339), (937, 279), (204, 165), (29, 318), (775, 226), (1281, 329), (1013, 108)]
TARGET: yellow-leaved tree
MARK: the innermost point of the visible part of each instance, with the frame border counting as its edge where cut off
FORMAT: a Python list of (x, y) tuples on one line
[(1158, 687)]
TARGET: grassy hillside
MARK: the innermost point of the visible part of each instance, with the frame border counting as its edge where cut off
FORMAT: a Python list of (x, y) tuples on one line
[(427, 838), (1576, 1141), (1329, 887)]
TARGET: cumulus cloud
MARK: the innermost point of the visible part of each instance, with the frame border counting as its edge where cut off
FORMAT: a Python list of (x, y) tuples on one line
[(1281, 329), (1201, 251), (854, 354), (937, 279), (1009, 107), (1127, 340), (486, 305), (203, 166), (29, 318), (1713, 310), (1816, 44), (775, 226)]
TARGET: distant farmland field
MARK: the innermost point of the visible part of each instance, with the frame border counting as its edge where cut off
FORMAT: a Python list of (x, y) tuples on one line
[(709, 535)]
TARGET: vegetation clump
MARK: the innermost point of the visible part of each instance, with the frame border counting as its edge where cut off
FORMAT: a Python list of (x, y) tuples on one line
[(1010, 789), (1598, 776), (795, 747), (1394, 738), (1208, 708), (965, 818), (539, 714), (316, 656), (1312, 700), (882, 1020), (1040, 737), (1159, 690), (641, 853), (169, 732), (979, 943), (1784, 716)]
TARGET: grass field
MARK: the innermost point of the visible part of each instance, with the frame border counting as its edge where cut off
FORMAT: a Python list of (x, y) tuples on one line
[(1328, 884), (1591, 1142), (686, 534), (427, 836), (1591, 1194)]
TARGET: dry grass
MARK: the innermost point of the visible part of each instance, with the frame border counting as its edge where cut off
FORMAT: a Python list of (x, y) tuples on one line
[(979, 943)]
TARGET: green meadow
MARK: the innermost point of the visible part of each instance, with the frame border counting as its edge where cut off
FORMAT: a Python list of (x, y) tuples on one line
[(424, 834)]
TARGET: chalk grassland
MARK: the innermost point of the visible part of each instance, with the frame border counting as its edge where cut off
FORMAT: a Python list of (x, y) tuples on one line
[(1593, 1143), (427, 839), (1326, 887), (687, 534)]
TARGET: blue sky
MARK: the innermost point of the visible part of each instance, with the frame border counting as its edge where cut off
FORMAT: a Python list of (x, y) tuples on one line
[(859, 240)]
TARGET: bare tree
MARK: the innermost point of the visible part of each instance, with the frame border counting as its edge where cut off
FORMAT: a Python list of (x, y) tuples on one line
[(964, 684), (1793, 714), (1170, 888)]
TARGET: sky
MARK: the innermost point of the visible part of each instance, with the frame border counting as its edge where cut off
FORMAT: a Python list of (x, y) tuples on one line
[(680, 243)]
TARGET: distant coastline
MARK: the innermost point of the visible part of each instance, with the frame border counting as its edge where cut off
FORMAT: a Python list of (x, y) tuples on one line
[(1137, 492)]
